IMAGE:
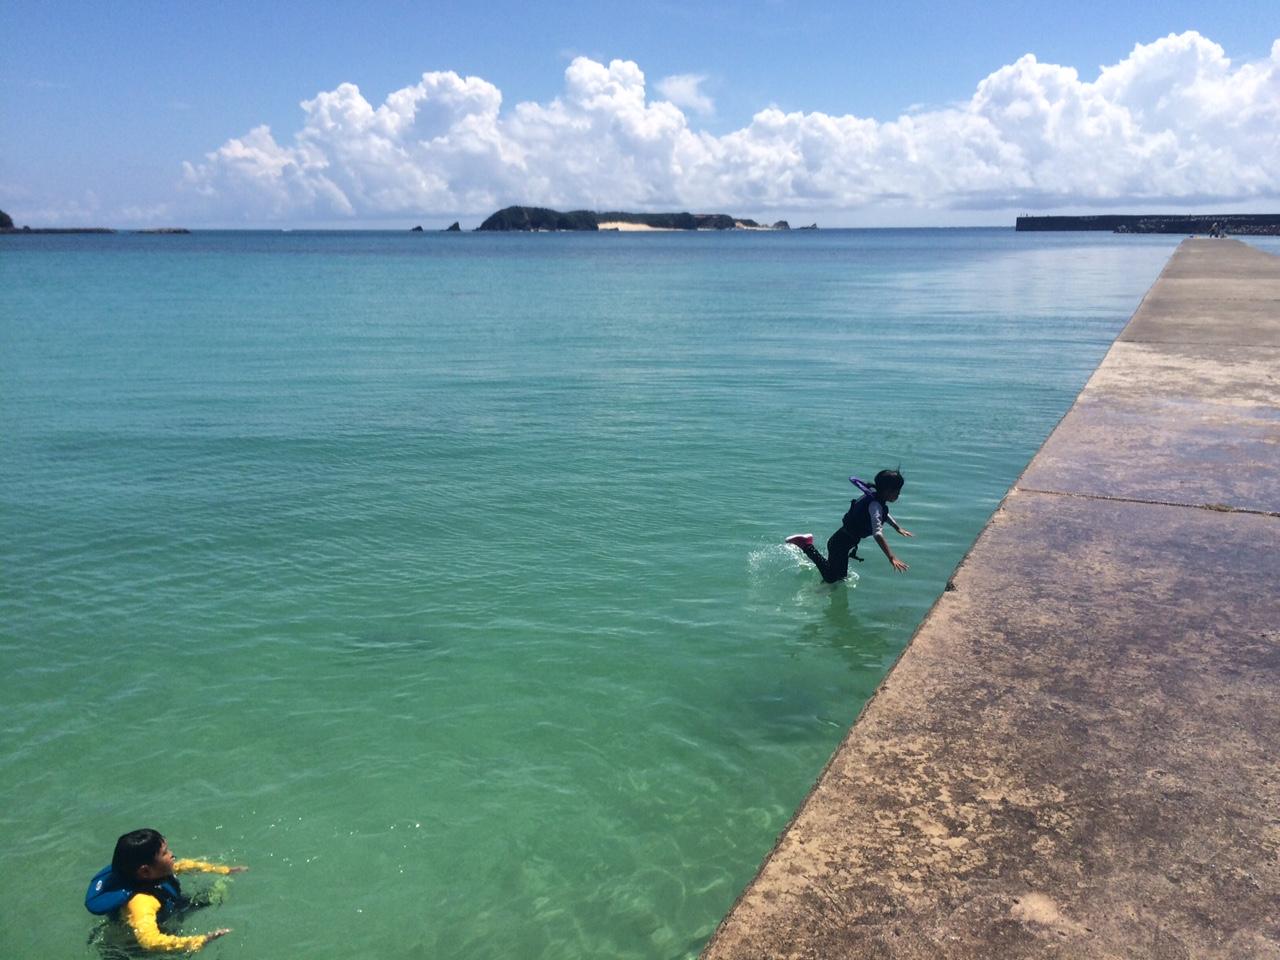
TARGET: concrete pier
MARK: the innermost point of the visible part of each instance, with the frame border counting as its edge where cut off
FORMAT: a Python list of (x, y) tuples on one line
[(1078, 754)]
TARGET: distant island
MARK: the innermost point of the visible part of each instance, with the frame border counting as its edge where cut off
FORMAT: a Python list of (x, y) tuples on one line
[(540, 218), (7, 226), (1244, 224)]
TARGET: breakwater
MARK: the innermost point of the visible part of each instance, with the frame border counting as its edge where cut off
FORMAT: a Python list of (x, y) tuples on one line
[(1076, 754), (1244, 224)]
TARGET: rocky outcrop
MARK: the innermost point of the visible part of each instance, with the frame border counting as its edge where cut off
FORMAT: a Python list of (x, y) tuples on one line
[(177, 230), (454, 227), (6, 221), (539, 218), (715, 221), (417, 229)]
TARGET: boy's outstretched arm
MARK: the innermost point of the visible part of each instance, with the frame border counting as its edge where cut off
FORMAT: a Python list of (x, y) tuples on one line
[(186, 866), (884, 545), (140, 913), (894, 523)]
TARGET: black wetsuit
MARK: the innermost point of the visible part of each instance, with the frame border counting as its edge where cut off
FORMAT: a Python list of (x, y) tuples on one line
[(842, 544)]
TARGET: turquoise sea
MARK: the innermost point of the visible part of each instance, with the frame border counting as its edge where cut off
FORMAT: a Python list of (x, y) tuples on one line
[(439, 578)]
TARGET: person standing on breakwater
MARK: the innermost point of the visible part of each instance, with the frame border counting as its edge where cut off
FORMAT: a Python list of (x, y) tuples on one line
[(140, 886), (866, 518)]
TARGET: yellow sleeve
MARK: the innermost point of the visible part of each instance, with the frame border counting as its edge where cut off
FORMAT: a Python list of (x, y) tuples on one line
[(180, 866), (140, 913)]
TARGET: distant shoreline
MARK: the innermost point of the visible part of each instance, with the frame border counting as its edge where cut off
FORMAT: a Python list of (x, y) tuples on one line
[(48, 230), (25, 230)]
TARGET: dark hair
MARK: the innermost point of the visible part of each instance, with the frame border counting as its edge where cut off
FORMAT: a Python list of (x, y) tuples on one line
[(135, 849), (888, 481)]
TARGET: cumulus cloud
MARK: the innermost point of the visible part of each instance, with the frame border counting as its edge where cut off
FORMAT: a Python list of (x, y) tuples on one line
[(685, 90), (1175, 121)]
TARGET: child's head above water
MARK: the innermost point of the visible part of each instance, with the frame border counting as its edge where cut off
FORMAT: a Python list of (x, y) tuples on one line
[(888, 484), (142, 855)]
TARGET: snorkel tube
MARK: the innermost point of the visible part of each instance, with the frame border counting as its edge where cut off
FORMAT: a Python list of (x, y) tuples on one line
[(866, 488)]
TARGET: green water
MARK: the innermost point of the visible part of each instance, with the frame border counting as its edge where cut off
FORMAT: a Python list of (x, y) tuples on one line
[(439, 578)]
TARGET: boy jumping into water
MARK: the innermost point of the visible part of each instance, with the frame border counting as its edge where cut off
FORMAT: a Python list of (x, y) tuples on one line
[(141, 888), (866, 518)]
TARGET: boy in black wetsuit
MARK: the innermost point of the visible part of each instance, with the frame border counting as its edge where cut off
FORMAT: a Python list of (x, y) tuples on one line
[(866, 518)]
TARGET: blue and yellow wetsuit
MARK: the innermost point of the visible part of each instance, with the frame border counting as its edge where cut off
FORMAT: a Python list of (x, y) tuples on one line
[(142, 914), (144, 909)]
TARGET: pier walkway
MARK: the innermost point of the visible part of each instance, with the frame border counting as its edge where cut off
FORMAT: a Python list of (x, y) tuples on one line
[(1078, 754)]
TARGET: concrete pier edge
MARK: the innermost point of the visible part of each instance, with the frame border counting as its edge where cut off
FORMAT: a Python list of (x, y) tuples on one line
[(1076, 755)]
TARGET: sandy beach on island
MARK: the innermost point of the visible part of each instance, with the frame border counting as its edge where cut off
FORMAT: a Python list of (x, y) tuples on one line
[(626, 227)]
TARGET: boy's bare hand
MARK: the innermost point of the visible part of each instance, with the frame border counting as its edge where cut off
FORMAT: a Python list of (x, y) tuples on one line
[(214, 935), (905, 533), (899, 565)]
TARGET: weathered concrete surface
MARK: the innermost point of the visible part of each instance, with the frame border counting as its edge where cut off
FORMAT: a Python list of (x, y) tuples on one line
[(1078, 755), (1186, 406)]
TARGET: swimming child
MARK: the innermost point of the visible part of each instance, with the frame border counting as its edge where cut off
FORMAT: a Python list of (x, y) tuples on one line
[(866, 518), (141, 888)]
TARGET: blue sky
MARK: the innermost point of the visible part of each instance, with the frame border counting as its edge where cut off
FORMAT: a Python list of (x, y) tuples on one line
[(104, 103)]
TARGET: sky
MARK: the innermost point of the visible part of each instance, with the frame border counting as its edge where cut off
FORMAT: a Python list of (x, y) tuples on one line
[(387, 115)]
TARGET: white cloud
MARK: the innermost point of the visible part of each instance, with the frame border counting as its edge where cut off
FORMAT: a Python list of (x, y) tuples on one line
[(83, 210), (685, 90), (1174, 122), (148, 215)]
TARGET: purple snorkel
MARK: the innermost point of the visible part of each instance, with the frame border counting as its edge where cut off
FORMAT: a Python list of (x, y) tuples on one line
[(866, 488)]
